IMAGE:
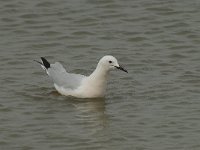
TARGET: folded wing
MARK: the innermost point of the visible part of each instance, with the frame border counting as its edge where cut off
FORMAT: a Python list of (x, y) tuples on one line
[(62, 78)]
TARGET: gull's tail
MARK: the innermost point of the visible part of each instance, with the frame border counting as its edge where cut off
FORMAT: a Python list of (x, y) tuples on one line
[(44, 64)]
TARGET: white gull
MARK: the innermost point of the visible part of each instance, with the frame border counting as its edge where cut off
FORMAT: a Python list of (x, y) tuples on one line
[(77, 85)]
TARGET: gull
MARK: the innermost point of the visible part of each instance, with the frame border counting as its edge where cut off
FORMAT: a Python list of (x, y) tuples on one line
[(81, 86)]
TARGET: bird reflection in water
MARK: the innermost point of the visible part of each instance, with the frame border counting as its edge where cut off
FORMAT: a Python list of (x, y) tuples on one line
[(91, 114)]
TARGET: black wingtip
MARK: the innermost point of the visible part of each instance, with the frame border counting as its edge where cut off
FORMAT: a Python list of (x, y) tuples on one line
[(45, 63)]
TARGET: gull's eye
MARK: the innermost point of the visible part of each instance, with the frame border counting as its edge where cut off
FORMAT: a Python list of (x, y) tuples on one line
[(110, 61)]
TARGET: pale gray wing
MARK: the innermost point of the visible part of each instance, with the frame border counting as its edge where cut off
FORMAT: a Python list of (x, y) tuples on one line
[(62, 78)]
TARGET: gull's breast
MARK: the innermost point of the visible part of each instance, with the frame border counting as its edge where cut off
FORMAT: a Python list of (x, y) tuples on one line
[(90, 89)]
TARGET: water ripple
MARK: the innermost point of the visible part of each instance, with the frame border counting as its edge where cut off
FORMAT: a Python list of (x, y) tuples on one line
[(154, 106)]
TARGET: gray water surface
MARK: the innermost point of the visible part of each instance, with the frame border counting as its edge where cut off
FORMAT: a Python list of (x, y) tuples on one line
[(156, 106)]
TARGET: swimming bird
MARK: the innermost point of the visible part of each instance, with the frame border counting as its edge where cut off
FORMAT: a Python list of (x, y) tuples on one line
[(81, 86)]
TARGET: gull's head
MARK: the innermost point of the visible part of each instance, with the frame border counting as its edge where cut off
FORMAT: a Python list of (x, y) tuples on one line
[(109, 62)]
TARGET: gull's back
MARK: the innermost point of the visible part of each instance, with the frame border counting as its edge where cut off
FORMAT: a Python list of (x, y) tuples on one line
[(64, 79)]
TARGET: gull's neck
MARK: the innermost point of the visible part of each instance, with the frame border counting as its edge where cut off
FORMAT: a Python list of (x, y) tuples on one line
[(98, 79), (100, 73)]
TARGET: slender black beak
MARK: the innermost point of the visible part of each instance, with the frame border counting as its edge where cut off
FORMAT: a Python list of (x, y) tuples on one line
[(121, 68)]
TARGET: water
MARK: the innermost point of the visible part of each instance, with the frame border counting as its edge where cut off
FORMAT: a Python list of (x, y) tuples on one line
[(154, 107)]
